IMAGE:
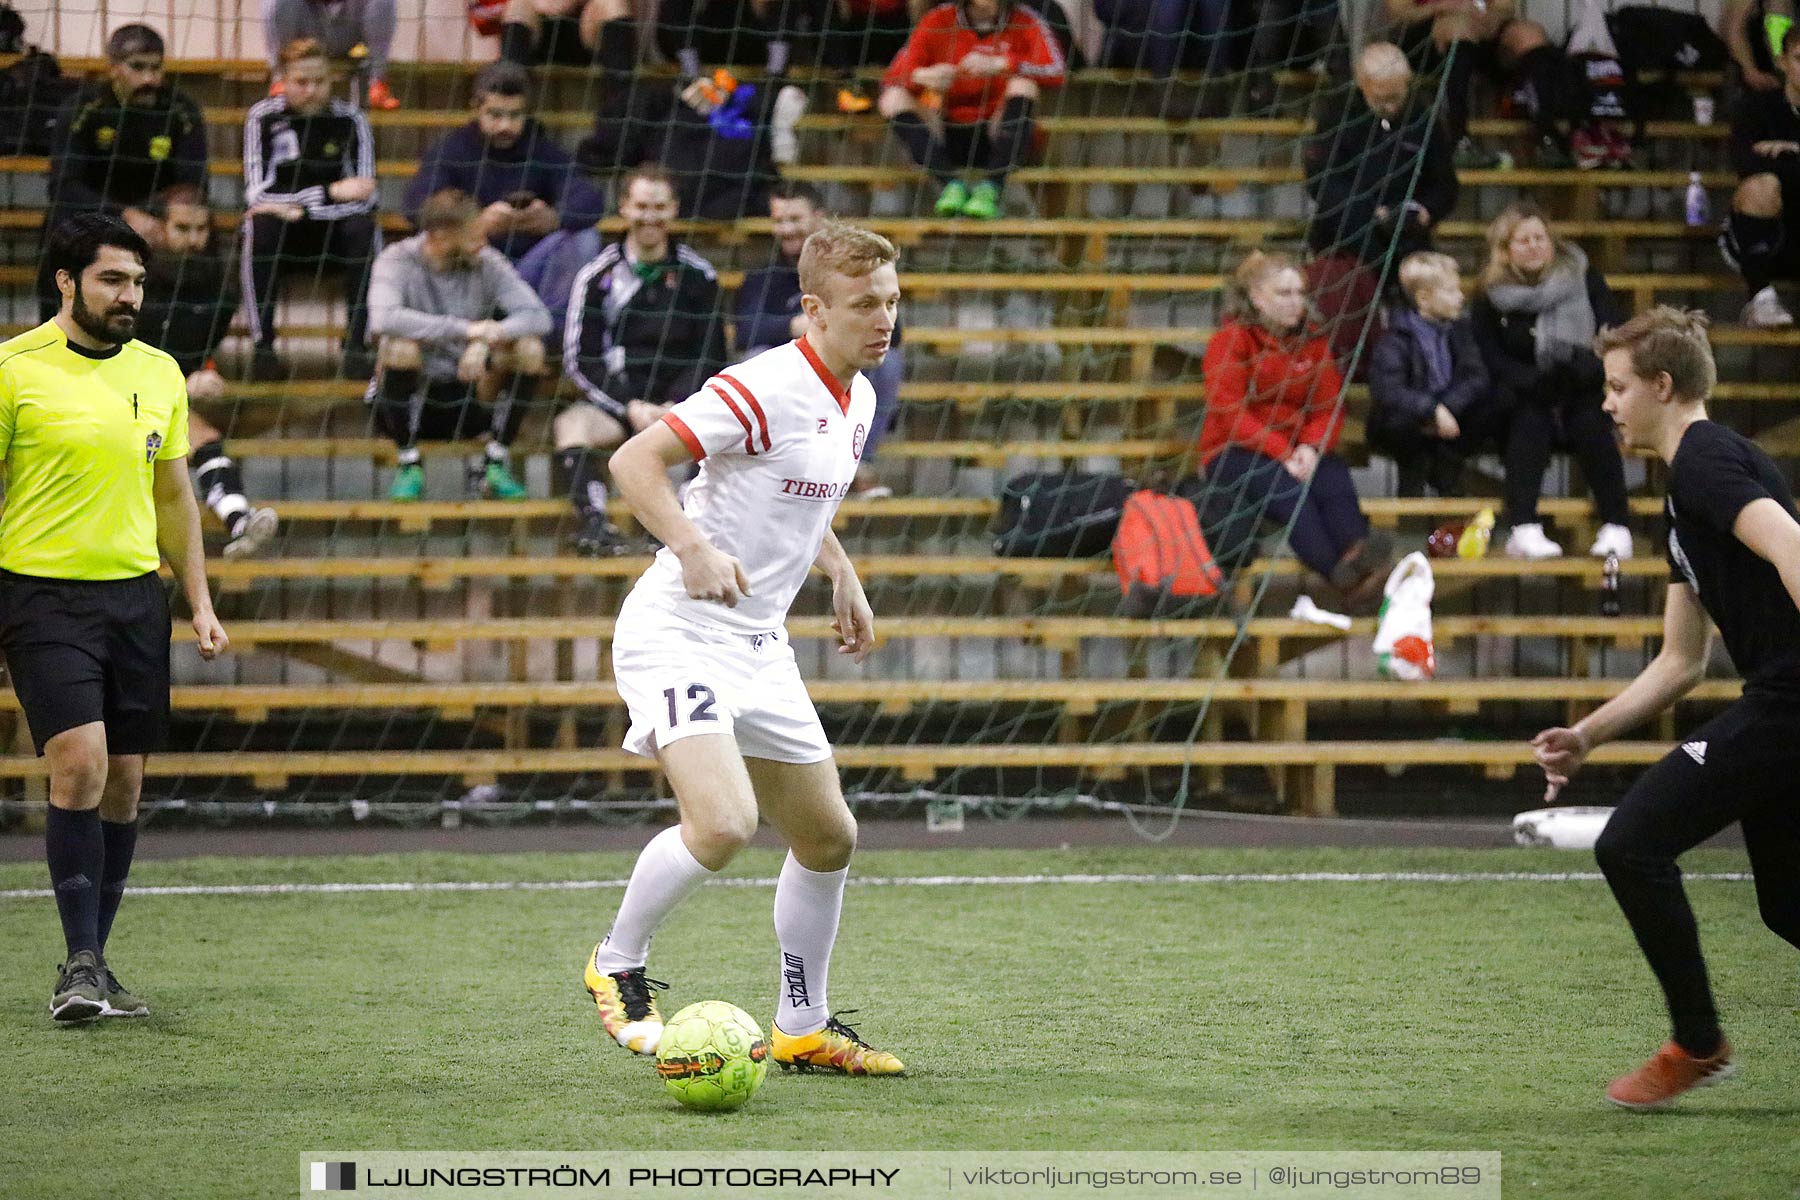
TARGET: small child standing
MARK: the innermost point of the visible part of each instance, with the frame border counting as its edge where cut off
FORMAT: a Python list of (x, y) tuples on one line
[(1431, 403)]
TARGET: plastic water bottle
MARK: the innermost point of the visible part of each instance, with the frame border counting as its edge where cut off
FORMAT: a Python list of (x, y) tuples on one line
[(1699, 208), (1474, 540), (1609, 587)]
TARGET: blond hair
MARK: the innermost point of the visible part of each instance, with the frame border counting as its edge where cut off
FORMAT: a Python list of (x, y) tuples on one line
[(299, 50), (1499, 268), (840, 248), (1250, 275), (1666, 341), (1423, 268)]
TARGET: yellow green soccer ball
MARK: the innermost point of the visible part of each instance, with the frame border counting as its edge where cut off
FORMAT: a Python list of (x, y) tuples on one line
[(712, 1056)]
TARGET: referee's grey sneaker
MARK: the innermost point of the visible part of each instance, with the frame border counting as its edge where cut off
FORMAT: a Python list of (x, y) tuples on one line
[(118, 1001), (256, 531), (80, 993)]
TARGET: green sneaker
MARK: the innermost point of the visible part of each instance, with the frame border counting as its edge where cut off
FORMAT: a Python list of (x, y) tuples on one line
[(983, 203), (499, 483), (409, 483), (953, 200), (118, 1001), (80, 993)]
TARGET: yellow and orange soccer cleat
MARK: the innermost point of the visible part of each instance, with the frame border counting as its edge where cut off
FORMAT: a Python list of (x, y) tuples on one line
[(627, 1009), (833, 1048), (1670, 1072)]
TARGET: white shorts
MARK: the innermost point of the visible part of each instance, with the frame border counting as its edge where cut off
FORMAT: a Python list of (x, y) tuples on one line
[(679, 679)]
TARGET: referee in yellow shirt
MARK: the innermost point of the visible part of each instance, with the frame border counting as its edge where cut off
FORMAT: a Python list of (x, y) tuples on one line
[(93, 429)]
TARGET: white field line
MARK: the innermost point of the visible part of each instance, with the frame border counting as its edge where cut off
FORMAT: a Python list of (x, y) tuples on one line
[(588, 885)]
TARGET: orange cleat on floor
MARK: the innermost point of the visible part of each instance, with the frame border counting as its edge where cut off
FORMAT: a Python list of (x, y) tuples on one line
[(1670, 1072)]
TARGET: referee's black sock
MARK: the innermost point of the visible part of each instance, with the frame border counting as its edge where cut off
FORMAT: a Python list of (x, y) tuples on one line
[(587, 492), (222, 484), (76, 852), (120, 840)]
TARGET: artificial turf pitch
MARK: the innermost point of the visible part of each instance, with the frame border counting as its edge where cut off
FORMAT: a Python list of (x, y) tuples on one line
[(1164, 1015)]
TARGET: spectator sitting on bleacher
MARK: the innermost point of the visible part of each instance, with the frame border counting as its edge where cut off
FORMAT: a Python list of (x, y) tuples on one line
[(189, 301), (527, 185), (721, 138), (1430, 403), (341, 26), (859, 33), (1748, 28), (768, 314), (1762, 235), (643, 332), (449, 369), (1361, 166), (122, 139), (1470, 36), (309, 186), (1541, 303), (975, 68), (729, 32), (570, 33), (1273, 415)]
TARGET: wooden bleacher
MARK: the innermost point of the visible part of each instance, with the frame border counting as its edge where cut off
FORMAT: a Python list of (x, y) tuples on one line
[(491, 601)]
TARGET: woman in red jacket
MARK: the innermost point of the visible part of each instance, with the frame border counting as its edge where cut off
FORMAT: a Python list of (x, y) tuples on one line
[(1272, 417)]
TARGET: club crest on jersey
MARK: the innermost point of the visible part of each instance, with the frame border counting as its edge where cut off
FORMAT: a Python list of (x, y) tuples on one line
[(152, 443), (856, 440)]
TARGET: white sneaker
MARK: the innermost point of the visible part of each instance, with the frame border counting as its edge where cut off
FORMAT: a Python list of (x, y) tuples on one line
[(1766, 311), (1612, 539), (784, 138), (1529, 541), (258, 529)]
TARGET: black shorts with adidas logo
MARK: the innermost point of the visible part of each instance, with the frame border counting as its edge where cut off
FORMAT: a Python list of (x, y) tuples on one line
[(84, 650)]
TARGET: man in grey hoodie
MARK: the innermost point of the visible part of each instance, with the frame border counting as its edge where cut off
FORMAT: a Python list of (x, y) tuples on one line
[(448, 369)]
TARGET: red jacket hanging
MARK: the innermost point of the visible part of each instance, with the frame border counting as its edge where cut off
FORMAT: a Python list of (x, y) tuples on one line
[(1268, 393), (944, 35)]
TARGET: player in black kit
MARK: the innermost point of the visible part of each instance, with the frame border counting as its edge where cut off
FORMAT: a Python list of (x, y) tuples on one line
[(1734, 555)]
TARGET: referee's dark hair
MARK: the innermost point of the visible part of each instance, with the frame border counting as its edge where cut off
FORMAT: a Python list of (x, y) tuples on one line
[(128, 40), (76, 240)]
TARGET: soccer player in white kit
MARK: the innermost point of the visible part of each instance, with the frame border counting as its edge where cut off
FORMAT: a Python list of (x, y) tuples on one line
[(703, 662)]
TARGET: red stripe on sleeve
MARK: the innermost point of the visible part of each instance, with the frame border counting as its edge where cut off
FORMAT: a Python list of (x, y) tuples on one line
[(761, 420), (749, 445), (686, 435)]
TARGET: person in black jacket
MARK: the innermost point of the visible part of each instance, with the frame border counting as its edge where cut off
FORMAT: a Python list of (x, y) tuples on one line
[(122, 139), (1540, 306), (1765, 150), (189, 302), (309, 184), (527, 184), (1430, 399), (642, 332), (1360, 171)]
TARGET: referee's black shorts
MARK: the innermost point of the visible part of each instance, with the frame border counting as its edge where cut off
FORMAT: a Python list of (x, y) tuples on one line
[(81, 650)]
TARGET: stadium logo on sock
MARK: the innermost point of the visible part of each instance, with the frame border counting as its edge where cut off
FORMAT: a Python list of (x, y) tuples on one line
[(333, 1177), (1696, 751), (793, 970)]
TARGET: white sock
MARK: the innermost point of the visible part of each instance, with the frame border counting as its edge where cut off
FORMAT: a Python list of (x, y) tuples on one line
[(665, 873), (807, 904)]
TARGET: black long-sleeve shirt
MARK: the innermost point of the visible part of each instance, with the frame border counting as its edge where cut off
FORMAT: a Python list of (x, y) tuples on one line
[(294, 159), (1765, 117), (112, 156), (189, 302), (1508, 342), (631, 338), (1359, 161)]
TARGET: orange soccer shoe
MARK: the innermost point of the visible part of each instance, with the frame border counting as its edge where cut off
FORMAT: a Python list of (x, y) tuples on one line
[(627, 1006), (1670, 1072), (835, 1048)]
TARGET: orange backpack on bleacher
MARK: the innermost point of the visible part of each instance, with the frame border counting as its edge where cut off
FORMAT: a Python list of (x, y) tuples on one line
[(1161, 556)]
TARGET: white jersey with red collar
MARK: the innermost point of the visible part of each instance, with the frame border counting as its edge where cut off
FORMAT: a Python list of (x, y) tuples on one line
[(778, 440)]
